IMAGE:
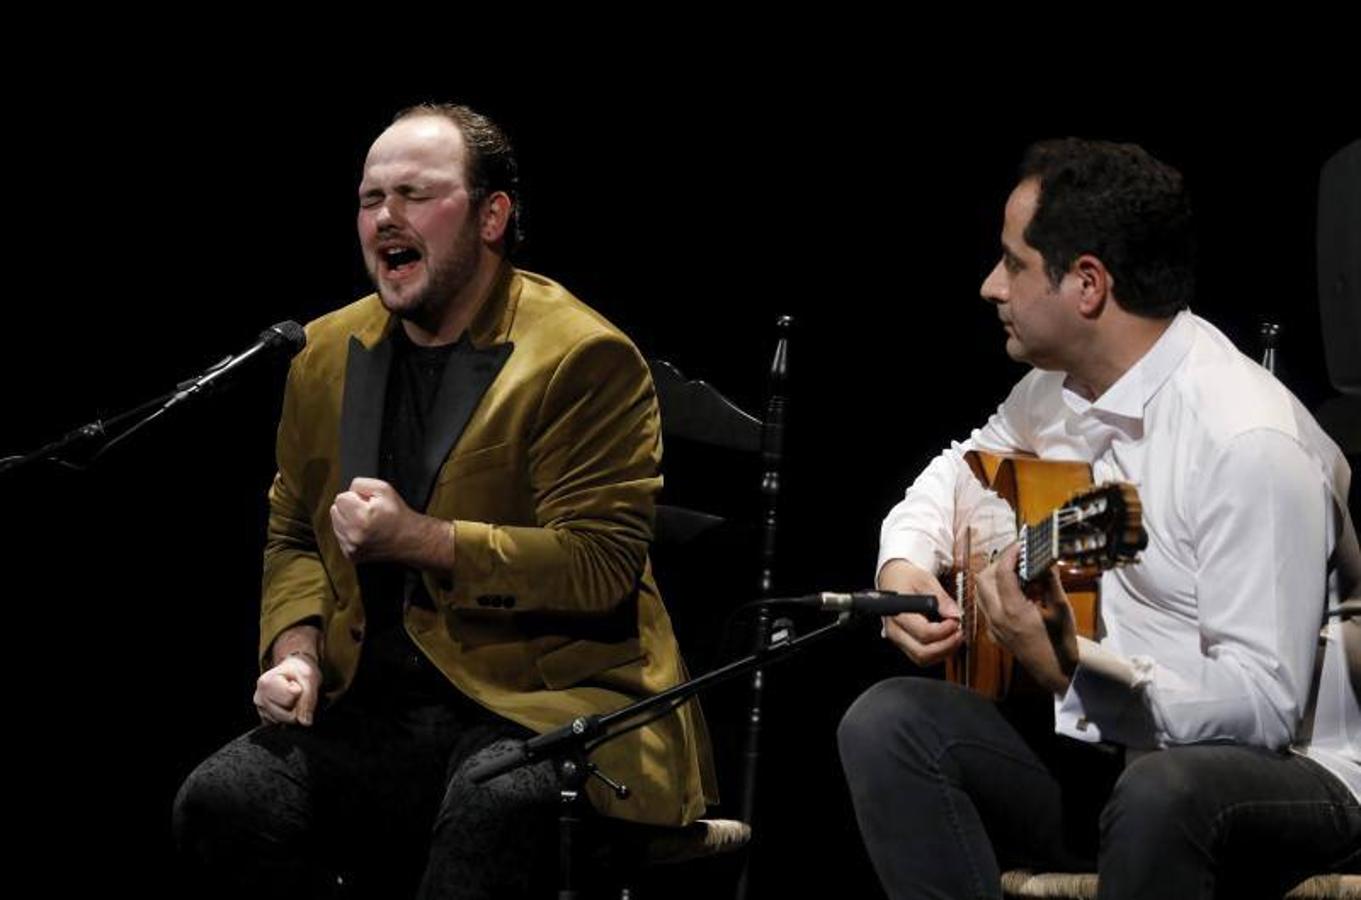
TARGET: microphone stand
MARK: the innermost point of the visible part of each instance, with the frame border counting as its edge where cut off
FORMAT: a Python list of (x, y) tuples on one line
[(97, 429), (569, 745), (100, 428)]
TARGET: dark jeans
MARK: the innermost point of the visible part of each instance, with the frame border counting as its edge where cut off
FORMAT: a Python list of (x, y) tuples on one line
[(371, 800), (948, 791)]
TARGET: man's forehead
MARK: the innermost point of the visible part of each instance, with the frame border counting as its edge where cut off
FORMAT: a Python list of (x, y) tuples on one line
[(420, 142), (1021, 206), (1020, 210)]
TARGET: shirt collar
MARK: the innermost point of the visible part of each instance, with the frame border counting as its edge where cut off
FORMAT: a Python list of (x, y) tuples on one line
[(1131, 393)]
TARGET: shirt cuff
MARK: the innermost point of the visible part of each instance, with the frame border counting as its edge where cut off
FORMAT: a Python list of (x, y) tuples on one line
[(1104, 701)]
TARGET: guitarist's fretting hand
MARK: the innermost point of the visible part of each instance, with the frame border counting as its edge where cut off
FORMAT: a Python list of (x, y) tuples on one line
[(1039, 630), (925, 643)]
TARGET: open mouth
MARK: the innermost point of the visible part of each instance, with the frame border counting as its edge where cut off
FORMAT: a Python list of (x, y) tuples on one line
[(399, 261)]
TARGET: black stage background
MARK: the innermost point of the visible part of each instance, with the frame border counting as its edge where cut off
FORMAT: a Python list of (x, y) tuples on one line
[(156, 225)]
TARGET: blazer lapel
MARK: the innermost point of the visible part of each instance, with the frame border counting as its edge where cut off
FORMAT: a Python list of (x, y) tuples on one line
[(361, 410), (468, 374)]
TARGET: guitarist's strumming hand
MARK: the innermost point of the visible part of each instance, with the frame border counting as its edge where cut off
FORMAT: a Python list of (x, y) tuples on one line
[(1038, 629), (925, 643)]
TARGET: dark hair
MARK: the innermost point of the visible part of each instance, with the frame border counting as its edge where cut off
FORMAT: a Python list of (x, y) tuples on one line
[(491, 164), (1118, 203)]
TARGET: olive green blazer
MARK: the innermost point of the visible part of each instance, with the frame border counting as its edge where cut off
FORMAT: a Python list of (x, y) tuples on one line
[(546, 462)]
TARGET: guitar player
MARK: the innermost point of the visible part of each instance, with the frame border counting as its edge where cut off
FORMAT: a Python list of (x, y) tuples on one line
[(1205, 738)]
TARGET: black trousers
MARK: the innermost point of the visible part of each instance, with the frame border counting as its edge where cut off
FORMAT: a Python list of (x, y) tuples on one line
[(371, 801), (948, 790)]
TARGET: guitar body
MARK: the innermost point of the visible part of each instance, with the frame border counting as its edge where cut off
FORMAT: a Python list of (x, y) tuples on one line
[(1032, 488)]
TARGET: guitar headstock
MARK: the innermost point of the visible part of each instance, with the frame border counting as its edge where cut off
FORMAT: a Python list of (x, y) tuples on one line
[(1099, 528)]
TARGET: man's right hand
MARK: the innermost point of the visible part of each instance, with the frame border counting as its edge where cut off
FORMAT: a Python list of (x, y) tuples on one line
[(288, 692), (925, 643)]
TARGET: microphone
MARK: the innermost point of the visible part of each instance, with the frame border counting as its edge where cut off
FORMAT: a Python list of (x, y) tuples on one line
[(286, 337), (874, 603)]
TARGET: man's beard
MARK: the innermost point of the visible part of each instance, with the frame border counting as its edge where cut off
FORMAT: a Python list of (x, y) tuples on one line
[(443, 284)]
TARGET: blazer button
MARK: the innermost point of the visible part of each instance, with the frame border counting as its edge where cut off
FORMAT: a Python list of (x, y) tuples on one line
[(486, 600), (357, 632), (507, 601)]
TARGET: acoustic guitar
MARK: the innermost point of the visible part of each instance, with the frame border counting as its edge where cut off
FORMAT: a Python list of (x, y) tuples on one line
[(1060, 519)]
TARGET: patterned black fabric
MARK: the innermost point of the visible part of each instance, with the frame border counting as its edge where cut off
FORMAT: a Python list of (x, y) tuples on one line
[(368, 803)]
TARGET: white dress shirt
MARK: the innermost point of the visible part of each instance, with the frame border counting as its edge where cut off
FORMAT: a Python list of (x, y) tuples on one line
[(1214, 634)]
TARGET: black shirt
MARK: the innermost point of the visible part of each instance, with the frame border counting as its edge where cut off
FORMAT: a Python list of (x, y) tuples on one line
[(390, 665)]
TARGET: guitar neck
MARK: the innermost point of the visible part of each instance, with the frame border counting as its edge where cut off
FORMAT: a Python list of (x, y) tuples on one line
[(1039, 548), (1097, 529)]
